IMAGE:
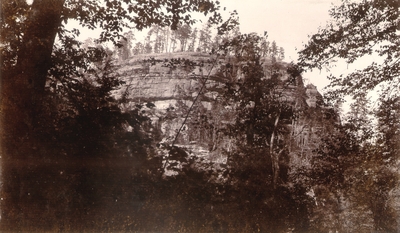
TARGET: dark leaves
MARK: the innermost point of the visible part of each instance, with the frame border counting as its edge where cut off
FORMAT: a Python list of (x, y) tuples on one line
[(358, 30)]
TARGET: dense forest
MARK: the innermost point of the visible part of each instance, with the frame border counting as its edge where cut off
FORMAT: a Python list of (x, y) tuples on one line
[(195, 129)]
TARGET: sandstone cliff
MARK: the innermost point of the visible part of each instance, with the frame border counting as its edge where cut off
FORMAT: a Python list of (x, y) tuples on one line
[(173, 81)]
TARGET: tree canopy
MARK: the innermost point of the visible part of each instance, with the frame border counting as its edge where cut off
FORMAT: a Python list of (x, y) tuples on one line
[(367, 28), (25, 26), (365, 34), (33, 36)]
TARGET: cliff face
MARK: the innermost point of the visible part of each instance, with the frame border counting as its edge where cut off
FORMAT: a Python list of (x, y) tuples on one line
[(156, 79), (173, 81)]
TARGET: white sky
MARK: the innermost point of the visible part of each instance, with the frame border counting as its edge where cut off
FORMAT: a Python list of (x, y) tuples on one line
[(288, 22)]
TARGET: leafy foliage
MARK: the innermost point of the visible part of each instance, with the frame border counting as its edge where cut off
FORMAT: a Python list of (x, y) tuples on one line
[(357, 30), (349, 176), (257, 95), (360, 155), (389, 127), (19, 26), (58, 111)]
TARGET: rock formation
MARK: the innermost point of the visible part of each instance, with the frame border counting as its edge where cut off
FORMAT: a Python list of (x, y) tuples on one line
[(172, 82)]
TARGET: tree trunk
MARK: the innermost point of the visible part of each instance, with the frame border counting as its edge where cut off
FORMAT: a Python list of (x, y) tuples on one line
[(21, 100), (34, 58), (274, 155), (24, 88)]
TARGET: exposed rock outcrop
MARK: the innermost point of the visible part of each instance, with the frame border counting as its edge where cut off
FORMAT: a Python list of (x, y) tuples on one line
[(173, 81)]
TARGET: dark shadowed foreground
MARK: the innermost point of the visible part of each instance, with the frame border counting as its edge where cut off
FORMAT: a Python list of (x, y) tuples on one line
[(100, 195)]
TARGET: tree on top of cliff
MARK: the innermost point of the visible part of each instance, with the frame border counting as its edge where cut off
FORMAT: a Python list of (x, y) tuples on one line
[(183, 33), (359, 29)]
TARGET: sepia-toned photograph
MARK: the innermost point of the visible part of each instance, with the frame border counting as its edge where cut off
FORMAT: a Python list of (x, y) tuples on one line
[(153, 116)]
